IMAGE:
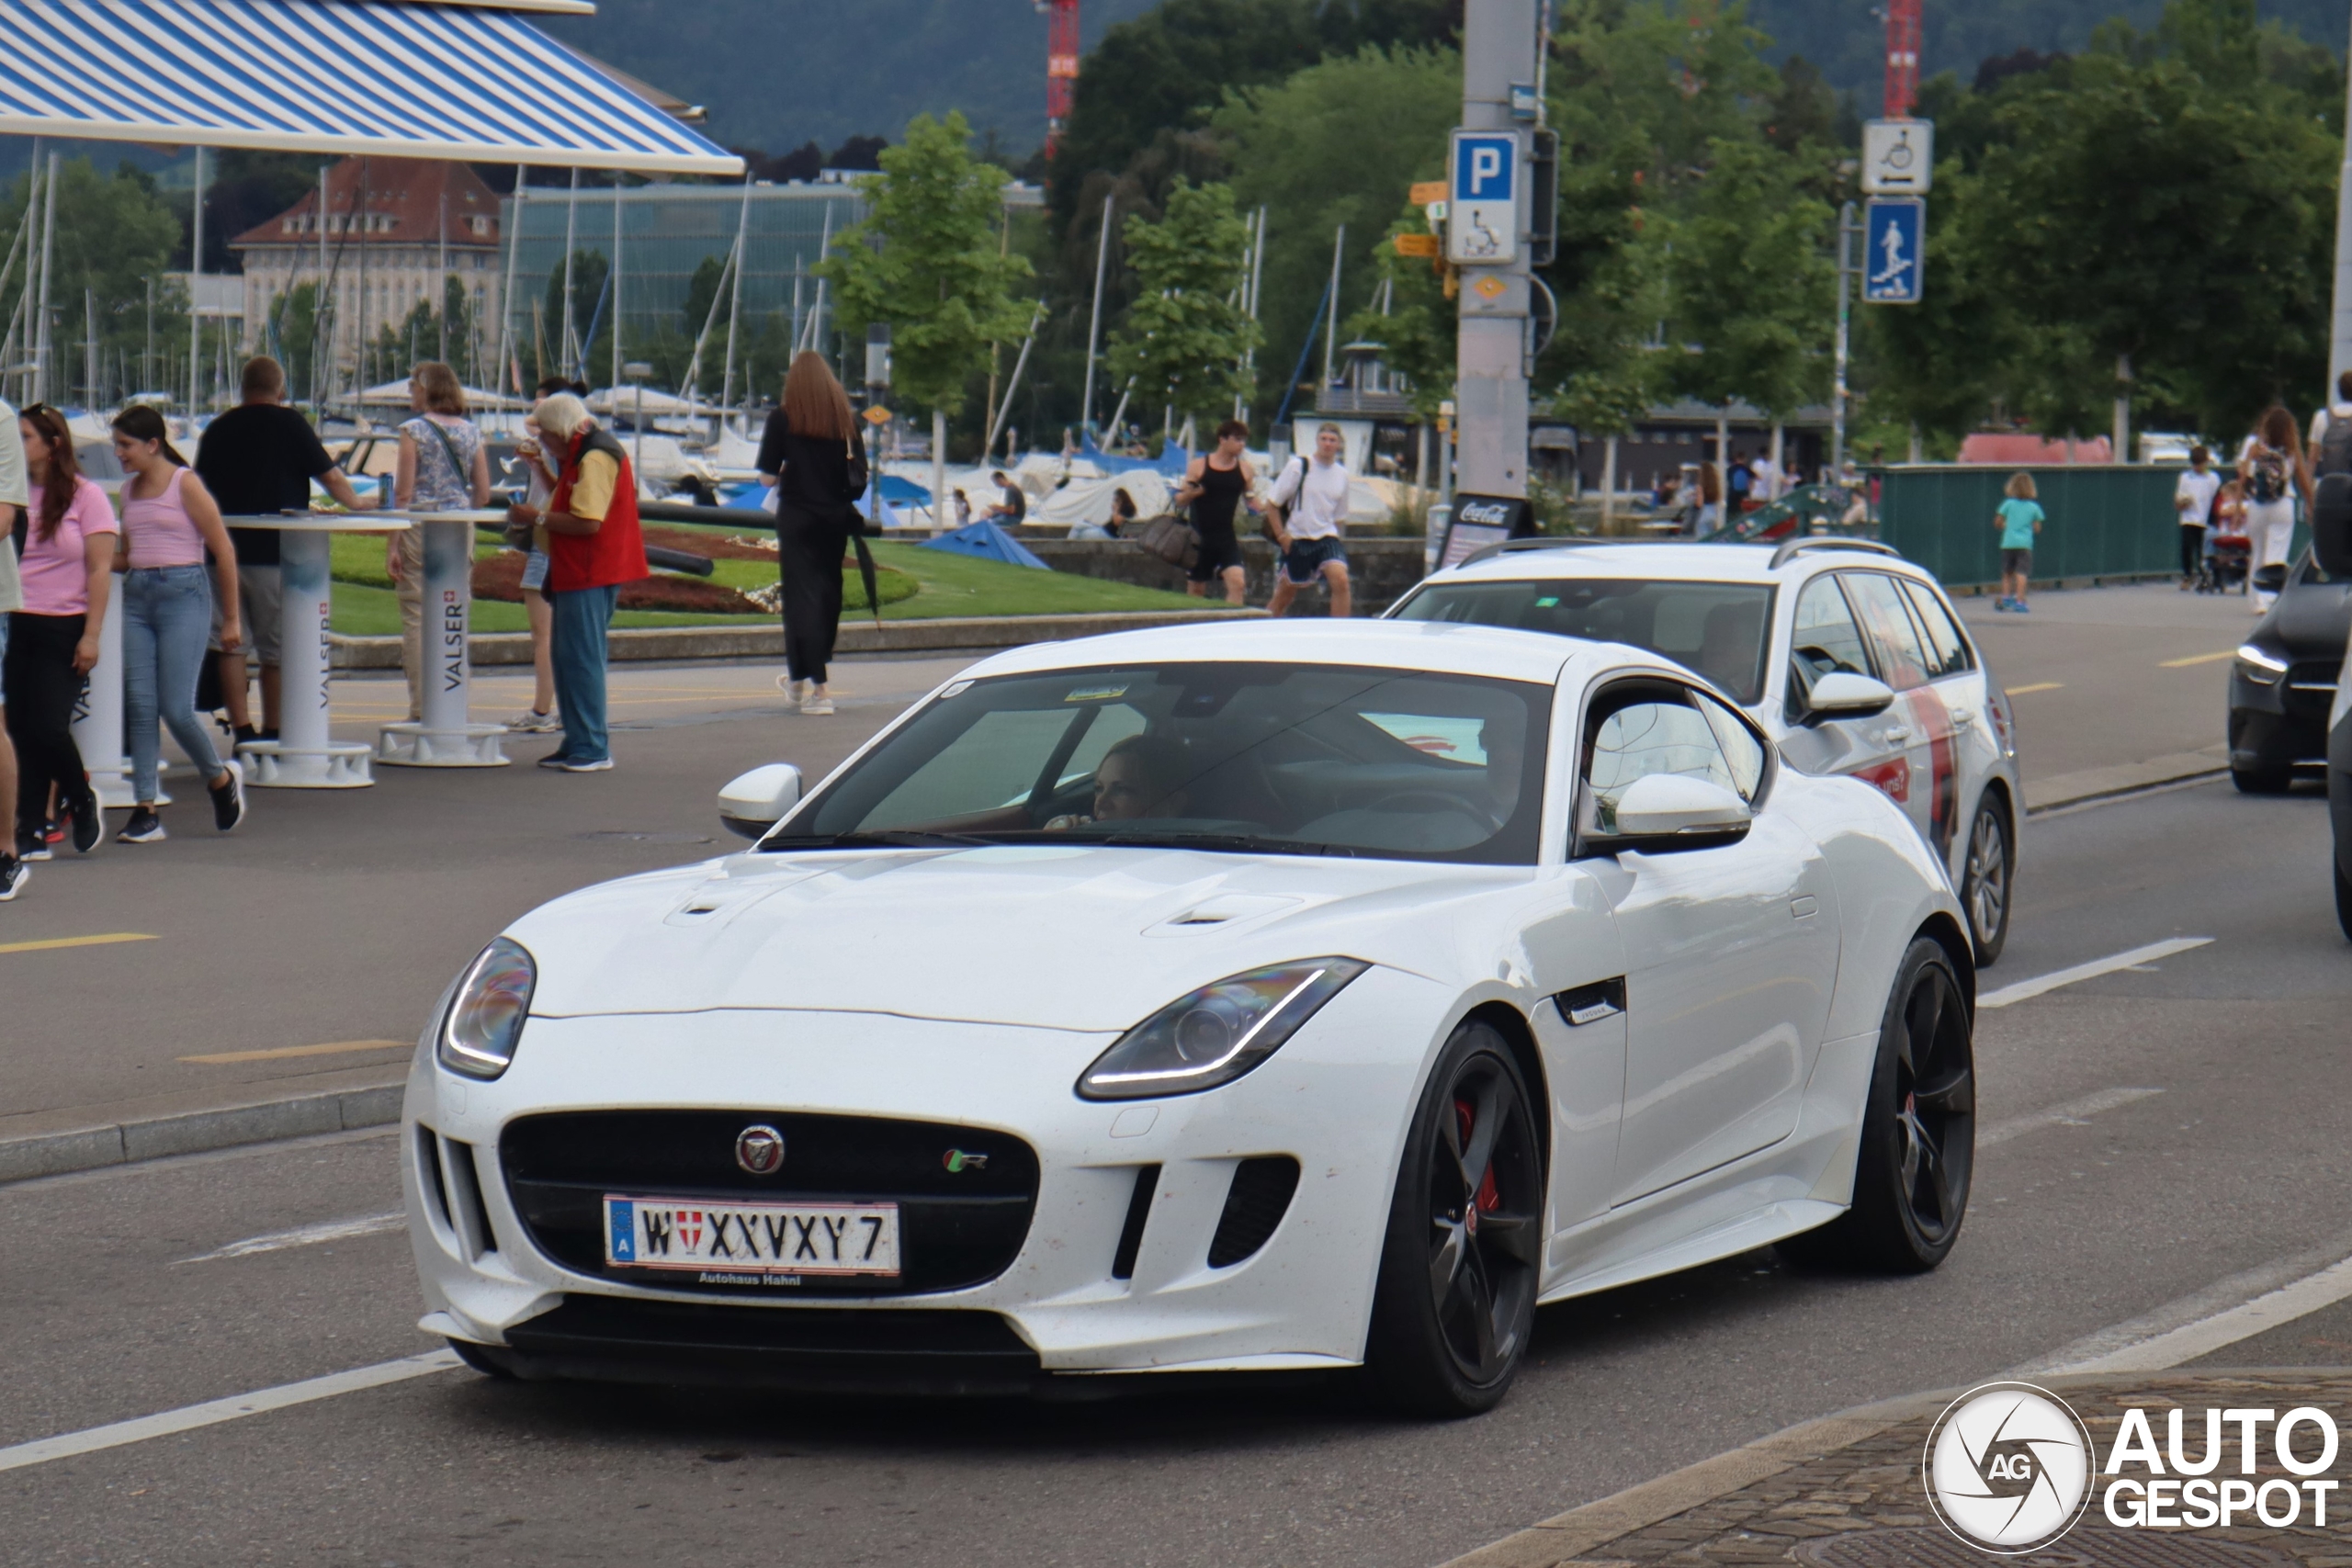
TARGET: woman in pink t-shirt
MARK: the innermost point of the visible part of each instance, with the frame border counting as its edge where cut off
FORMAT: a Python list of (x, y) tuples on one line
[(68, 567), (169, 525)]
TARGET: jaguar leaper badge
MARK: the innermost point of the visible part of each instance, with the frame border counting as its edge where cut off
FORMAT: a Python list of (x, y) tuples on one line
[(759, 1149)]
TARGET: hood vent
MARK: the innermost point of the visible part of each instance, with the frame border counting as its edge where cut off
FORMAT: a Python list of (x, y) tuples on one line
[(1220, 910)]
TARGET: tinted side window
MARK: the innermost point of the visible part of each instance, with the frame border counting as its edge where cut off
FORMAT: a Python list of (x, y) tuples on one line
[(1947, 653), (1660, 735), (1827, 639), (1903, 660)]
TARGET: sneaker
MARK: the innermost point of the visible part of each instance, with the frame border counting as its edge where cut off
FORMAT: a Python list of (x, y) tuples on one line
[(594, 765), (555, 760), (245, 734), (13, 877), (817, 703), (32, 846), (2022, 608), (53, 832), (144, 827), (531, 721), (228, 799), (90, 823)]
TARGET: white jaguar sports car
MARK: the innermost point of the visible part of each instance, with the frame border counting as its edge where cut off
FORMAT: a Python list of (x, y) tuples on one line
[(1276, 997)]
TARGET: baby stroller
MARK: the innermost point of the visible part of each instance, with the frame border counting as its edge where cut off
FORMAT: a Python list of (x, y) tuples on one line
[(2227, 558)]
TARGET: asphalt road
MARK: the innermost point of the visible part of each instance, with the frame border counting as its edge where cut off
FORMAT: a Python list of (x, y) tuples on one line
[(2092, 1208)]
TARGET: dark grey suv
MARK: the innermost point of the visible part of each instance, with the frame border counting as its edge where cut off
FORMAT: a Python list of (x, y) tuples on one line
[(2285, 678)]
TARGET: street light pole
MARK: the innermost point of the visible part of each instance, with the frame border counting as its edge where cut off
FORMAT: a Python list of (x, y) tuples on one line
[(2339, 338), (1845, 333), (1498, 50)]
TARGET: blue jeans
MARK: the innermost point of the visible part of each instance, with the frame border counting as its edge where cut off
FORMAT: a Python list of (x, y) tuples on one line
[(166, 620), (581, 617)]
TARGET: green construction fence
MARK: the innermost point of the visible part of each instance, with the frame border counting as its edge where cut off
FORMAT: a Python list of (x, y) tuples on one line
[(2104, 520)]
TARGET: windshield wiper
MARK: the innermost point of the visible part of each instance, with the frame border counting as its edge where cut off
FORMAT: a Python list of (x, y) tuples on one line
[(886, 838)]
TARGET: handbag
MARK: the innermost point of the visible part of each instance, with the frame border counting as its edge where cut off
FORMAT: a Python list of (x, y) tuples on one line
[(1172, 538)]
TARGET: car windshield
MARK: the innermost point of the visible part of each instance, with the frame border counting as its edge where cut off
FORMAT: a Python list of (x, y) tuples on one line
[(1715, 628), (1247, 756)]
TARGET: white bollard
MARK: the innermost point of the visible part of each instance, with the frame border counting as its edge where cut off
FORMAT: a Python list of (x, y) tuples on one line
[(444, 737)]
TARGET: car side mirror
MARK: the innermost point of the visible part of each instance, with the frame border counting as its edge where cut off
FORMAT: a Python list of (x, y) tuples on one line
[(758, 800), (2332, 525), (1660, 813), (2269, 579), (1841, 694)]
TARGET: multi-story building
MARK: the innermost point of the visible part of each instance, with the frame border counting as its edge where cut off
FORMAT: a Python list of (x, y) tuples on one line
[(393, 228)]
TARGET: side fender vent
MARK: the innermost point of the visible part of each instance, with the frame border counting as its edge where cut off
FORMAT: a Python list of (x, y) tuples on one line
[(1123, 1262), (1254, 1205)]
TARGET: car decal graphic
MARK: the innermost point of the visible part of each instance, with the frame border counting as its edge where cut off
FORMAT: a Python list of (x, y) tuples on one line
[(1931, 717), (1892, 778)]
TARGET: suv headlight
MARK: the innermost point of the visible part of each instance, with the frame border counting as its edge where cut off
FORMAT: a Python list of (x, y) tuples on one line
[(1217, 1032), (2259, 665), (484, 1023)]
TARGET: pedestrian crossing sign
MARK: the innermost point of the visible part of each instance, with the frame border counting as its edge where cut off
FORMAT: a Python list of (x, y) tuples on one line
[(1895, 235)]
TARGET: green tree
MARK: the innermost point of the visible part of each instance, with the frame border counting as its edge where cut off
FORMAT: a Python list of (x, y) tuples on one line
[(1416, 328), (925, 259), (1184, 336), (1750, 285), (589, 271), (114, 236)]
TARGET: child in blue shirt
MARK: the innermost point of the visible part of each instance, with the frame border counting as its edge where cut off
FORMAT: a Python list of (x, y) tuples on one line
[(2019, 519)]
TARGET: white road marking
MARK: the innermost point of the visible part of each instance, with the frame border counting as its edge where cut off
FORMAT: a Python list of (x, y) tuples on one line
[(2066, 1113), (2025, 990), (214, 1412), (304, 1235)]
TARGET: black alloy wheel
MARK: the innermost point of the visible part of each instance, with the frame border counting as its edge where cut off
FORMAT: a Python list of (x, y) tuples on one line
[(2343, 898), (1912, 1173), (1985, 876), (1456, 1303)]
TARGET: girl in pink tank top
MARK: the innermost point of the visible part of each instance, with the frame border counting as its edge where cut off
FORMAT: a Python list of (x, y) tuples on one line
[(158, 531)]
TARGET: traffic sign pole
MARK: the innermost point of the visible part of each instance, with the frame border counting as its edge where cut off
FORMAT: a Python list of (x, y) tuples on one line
[(1847, 228), (1488, 172)]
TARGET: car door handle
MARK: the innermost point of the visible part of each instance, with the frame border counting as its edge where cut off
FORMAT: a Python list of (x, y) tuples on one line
[(1895, 732), (1590, 1004), (1963, 717)]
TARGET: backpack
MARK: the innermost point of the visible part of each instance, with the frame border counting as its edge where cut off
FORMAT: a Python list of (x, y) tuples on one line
[(2335, 455), (2267, 478)]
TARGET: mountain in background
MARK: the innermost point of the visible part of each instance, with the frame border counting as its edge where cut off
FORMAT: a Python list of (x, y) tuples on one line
[(776, 73)]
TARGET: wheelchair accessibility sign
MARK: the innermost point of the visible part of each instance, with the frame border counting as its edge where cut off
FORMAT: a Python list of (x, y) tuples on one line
[(1482, 219), (1894, 234)]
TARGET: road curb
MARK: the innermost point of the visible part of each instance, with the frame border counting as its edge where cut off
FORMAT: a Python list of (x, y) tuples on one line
[(196, 1132), (2120, 779), (944, 634)]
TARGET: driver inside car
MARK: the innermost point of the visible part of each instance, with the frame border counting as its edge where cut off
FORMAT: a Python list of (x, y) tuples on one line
[(1139, 776)]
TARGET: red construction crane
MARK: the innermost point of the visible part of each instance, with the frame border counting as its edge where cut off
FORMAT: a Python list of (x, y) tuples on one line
[(1901, 57), (1061, 65)]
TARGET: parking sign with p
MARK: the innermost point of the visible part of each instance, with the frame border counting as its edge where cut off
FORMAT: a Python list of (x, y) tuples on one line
[(1482, 221)]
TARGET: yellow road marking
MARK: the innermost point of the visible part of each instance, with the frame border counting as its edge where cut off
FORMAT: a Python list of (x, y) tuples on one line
[(2201, 658), (334, 1048), (55, 942), (2036, 686)]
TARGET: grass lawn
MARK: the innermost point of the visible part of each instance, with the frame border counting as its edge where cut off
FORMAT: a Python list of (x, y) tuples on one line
[(948, 585)]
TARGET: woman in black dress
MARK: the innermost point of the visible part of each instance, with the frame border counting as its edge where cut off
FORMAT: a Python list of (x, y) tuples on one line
[(814, 455), (1217, 485)]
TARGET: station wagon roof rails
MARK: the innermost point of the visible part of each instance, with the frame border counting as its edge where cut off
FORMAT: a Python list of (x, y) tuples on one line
[(1796, 547), (1513, 546)]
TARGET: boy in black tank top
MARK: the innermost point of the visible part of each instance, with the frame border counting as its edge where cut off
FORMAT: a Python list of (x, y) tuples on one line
[(1216, 495)]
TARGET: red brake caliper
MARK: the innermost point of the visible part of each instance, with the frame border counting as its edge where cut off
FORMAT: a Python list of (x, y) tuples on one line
[(1489, 1198)]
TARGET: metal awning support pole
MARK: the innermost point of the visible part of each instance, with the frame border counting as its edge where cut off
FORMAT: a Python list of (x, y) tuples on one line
[(570, 242), (47, 265), (441, 284), (506, 295), (735, 295), (1094, 318), (359, 344), (195, 288), (617, 177)]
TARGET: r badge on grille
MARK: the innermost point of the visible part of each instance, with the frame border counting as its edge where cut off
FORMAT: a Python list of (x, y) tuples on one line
[(759, 1149)]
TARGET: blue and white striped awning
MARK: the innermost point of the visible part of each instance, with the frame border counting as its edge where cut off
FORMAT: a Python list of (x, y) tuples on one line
[(396, 78)]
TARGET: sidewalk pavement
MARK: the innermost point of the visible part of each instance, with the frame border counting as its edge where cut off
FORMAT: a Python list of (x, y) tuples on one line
[(1847, 1492)]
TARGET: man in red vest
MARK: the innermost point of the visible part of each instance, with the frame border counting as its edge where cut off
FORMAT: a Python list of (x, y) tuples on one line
[(594, 546)]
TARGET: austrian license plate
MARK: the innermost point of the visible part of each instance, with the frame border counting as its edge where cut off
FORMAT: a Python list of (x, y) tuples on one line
[(751, 1243)]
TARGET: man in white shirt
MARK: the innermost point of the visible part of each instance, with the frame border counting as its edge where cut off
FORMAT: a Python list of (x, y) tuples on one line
[(2192, 501), (12, 501), (1308, 508), (2337, 412)]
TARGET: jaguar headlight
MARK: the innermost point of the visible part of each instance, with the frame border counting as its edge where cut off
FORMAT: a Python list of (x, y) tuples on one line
[(2259, 664), (484, 1023), (1217, 1032)]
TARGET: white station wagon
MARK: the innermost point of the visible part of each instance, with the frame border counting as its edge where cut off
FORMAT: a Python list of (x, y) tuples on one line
[(1849, 656)]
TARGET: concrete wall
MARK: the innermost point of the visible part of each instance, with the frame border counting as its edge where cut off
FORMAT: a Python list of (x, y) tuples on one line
[(1381, 570)]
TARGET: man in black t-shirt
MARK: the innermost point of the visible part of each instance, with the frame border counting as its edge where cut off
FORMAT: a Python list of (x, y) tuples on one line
[(259, 458)]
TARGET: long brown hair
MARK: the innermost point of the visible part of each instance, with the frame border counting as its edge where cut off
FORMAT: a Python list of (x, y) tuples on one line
[(814, 403), (65, 475), (2277, 430), (142, 423), (443, 393)]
